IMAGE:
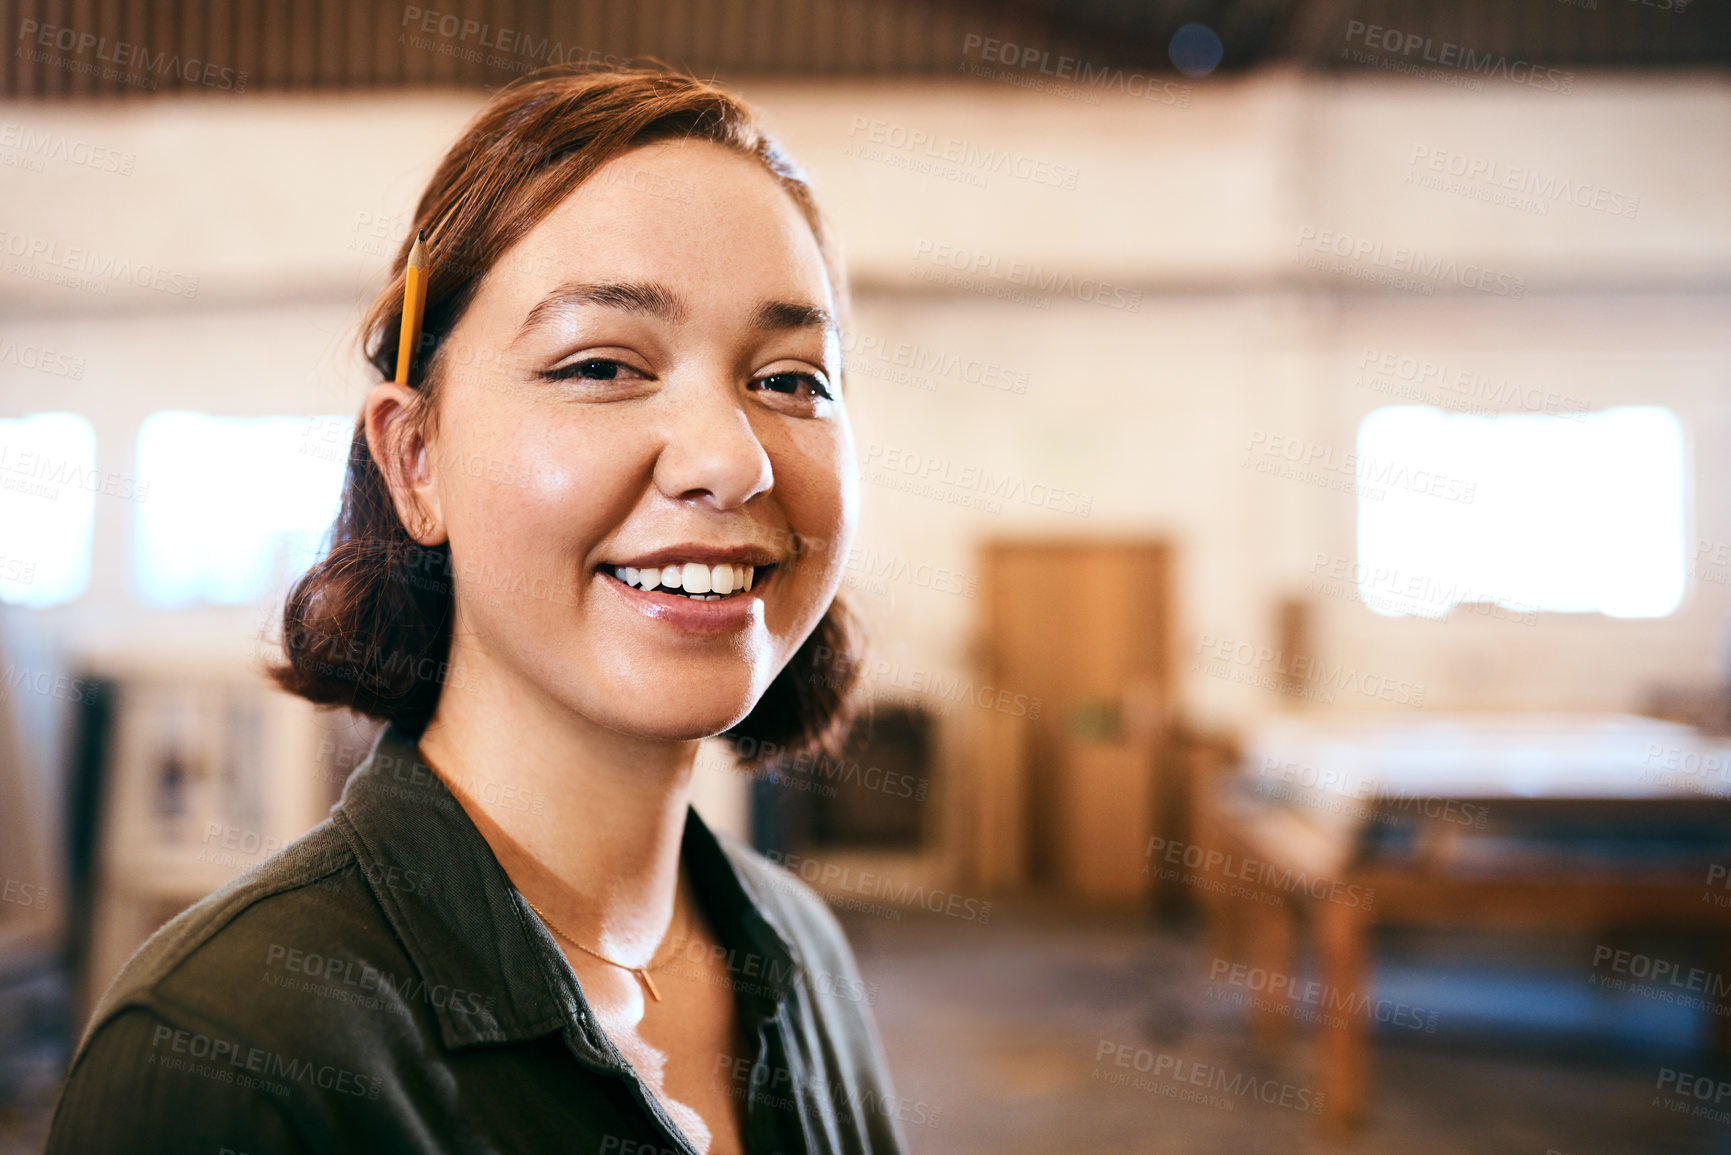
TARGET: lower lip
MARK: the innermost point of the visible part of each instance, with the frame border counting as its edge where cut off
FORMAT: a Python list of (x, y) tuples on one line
[(726, 615)]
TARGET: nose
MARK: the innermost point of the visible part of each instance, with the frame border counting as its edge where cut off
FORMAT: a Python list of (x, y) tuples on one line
[(711, 454)]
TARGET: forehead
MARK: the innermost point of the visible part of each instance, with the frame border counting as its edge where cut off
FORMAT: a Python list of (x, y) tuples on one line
[(687, 214)]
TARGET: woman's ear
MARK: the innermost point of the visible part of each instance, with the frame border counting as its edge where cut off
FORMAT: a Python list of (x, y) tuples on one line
[(396, 437)]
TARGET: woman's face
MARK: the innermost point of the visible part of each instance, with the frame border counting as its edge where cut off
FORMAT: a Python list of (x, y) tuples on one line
[(641, 413)]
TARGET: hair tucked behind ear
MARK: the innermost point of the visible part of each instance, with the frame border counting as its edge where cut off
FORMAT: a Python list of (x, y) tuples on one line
[(369, 626)]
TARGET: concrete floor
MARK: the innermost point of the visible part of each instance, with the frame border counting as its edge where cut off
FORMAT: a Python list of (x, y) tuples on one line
[(1000, 1026)]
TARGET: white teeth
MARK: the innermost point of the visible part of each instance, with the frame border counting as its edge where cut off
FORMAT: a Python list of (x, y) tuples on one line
[(696, 578)]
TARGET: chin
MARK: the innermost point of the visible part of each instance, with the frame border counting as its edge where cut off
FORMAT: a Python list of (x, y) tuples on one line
[(682, 725), (682, 706)]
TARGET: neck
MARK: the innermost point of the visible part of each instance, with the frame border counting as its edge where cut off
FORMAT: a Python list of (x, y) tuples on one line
[(587, 822)]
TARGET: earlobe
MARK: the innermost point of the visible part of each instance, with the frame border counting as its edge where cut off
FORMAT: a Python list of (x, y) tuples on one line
[(397, 442)]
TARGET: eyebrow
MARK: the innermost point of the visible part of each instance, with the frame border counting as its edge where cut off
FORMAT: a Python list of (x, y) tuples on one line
[(782, 315), (657, 301), (630, 296)]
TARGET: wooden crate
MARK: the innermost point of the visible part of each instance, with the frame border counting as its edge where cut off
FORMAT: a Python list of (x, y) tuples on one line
[(1071, 626)]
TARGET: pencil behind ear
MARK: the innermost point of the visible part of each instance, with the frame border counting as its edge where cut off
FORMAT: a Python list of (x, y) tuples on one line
[(414, 308)]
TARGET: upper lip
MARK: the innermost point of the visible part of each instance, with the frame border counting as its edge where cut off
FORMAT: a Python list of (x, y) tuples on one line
[(702, 555)]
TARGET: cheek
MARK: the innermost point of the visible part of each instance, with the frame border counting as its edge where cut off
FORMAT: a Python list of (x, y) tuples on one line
[(535, 495), (818, 483)]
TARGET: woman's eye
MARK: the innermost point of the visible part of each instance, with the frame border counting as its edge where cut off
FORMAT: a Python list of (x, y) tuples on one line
[(790, 383), (590, 369)]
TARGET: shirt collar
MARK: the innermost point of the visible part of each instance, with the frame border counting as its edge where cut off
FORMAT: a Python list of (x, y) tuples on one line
[(494, 973)]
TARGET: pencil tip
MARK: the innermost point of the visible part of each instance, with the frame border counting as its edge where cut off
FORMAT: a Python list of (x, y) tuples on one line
[(418, 251)]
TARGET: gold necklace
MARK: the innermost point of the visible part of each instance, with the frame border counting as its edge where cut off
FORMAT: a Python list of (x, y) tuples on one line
[(641, 972)]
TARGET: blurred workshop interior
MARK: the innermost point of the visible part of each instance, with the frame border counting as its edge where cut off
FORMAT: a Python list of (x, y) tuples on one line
[(1296, 544)]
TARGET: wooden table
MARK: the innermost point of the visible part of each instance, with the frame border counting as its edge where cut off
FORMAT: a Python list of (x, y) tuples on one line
[(1532, 822)]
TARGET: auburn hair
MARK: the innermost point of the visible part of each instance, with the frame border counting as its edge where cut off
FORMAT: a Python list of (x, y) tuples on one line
[(368, 627)]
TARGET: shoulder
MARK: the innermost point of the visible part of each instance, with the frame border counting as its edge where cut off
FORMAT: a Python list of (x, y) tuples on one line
[(848, 1051), (263, 963), (137, 1090), (840, 995), (300, 888), (212, 1018), (788, 902)]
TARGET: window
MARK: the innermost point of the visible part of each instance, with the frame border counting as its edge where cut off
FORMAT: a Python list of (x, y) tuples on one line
[(48, 488), (1580, 513), (236, 504)]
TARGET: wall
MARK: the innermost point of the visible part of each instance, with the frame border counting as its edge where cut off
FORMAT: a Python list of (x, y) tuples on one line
[(1207, 211)]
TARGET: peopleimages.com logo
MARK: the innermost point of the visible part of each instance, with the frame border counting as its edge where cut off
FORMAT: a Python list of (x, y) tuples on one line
[(1401, 47)]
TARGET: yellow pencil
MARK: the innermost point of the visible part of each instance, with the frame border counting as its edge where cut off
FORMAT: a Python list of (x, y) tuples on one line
[(414, 305)]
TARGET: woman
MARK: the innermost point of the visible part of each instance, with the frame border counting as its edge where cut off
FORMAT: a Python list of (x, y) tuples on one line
[(605, 519)]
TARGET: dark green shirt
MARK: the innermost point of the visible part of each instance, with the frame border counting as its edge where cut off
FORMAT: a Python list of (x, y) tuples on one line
[(380, 985)]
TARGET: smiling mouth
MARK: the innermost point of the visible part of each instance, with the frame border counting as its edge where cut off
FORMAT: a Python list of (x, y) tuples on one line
[(694, 580)]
